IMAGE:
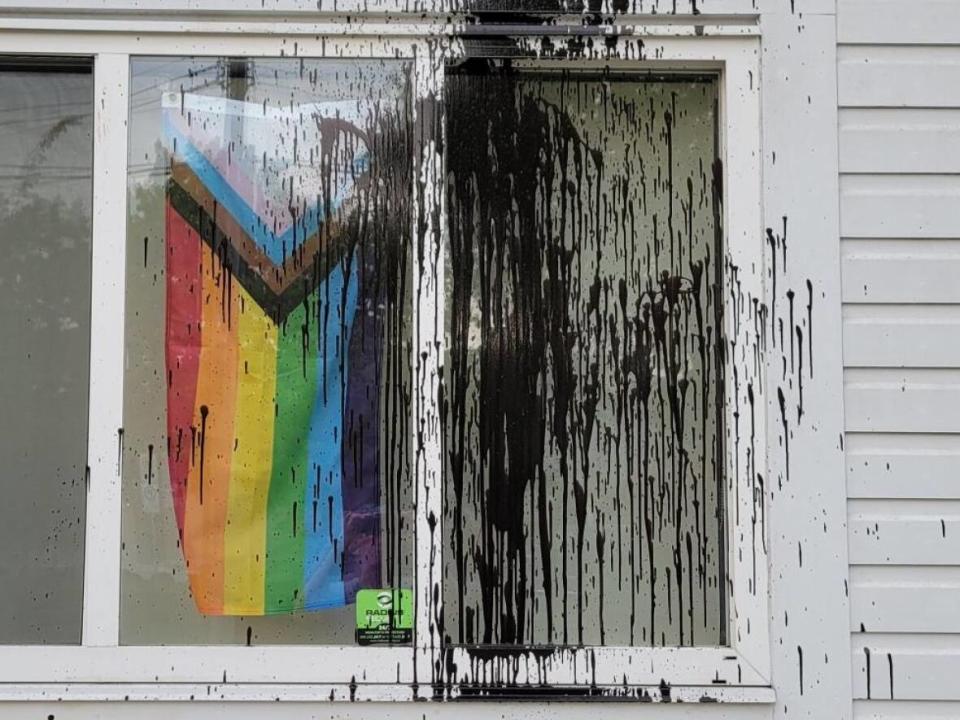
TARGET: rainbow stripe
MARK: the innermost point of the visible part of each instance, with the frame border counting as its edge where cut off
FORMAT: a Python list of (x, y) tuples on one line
[(272, 395)]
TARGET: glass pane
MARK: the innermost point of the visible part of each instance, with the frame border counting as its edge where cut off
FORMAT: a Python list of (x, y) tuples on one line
[(584, 451), (266, 423), (46, 146)]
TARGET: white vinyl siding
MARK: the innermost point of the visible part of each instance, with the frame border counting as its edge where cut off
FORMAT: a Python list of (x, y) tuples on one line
[(899, 141)]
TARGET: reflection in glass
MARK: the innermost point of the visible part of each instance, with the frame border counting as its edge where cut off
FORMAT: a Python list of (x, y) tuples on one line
[(266, 434), (583, 373), (46, 122)]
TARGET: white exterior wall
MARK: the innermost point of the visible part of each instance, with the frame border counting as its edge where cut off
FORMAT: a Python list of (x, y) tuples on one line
[(899, 130)]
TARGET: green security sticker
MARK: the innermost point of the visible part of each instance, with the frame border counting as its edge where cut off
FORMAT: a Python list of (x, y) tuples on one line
[(384, 617)]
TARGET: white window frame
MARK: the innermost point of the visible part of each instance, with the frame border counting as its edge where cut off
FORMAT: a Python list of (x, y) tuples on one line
[(101, 669)]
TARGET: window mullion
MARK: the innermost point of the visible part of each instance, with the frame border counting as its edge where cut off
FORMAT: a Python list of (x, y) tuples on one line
[(428, 283), (101, 592)]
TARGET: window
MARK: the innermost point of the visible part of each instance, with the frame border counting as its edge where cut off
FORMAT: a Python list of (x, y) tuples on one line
[(378, 320), (266, 414), (584, 360), (46, 143)]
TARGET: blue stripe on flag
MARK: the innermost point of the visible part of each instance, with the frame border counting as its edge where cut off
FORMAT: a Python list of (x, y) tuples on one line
[(323, 577)]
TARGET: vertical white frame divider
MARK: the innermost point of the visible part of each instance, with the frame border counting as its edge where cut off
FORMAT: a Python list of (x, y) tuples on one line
[(101, 577), (428, 297)]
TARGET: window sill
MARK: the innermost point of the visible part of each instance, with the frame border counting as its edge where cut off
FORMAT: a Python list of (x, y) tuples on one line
[(372, 692)]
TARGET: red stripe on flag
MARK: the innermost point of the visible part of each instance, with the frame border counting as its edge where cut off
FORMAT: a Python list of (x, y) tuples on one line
[(184, 311)]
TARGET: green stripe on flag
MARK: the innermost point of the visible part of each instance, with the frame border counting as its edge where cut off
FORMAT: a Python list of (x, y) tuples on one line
[(296, 391)]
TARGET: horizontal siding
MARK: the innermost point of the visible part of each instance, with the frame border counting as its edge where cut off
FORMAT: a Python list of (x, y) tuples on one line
[(914, 140), (908, 400), (904, 532), (919, 671), (904, 599), (903, 466), (892, 271), (898, 77), (900, 206), (905, 336), (923, 710), (898, 22)]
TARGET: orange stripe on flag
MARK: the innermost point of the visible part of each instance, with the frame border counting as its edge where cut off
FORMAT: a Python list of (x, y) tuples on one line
[(214, 410)]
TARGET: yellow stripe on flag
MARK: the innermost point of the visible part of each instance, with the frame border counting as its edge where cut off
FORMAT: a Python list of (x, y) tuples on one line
[(246, 533)]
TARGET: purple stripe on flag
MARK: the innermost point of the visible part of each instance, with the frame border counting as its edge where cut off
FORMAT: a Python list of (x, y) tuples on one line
[(361, 477)]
